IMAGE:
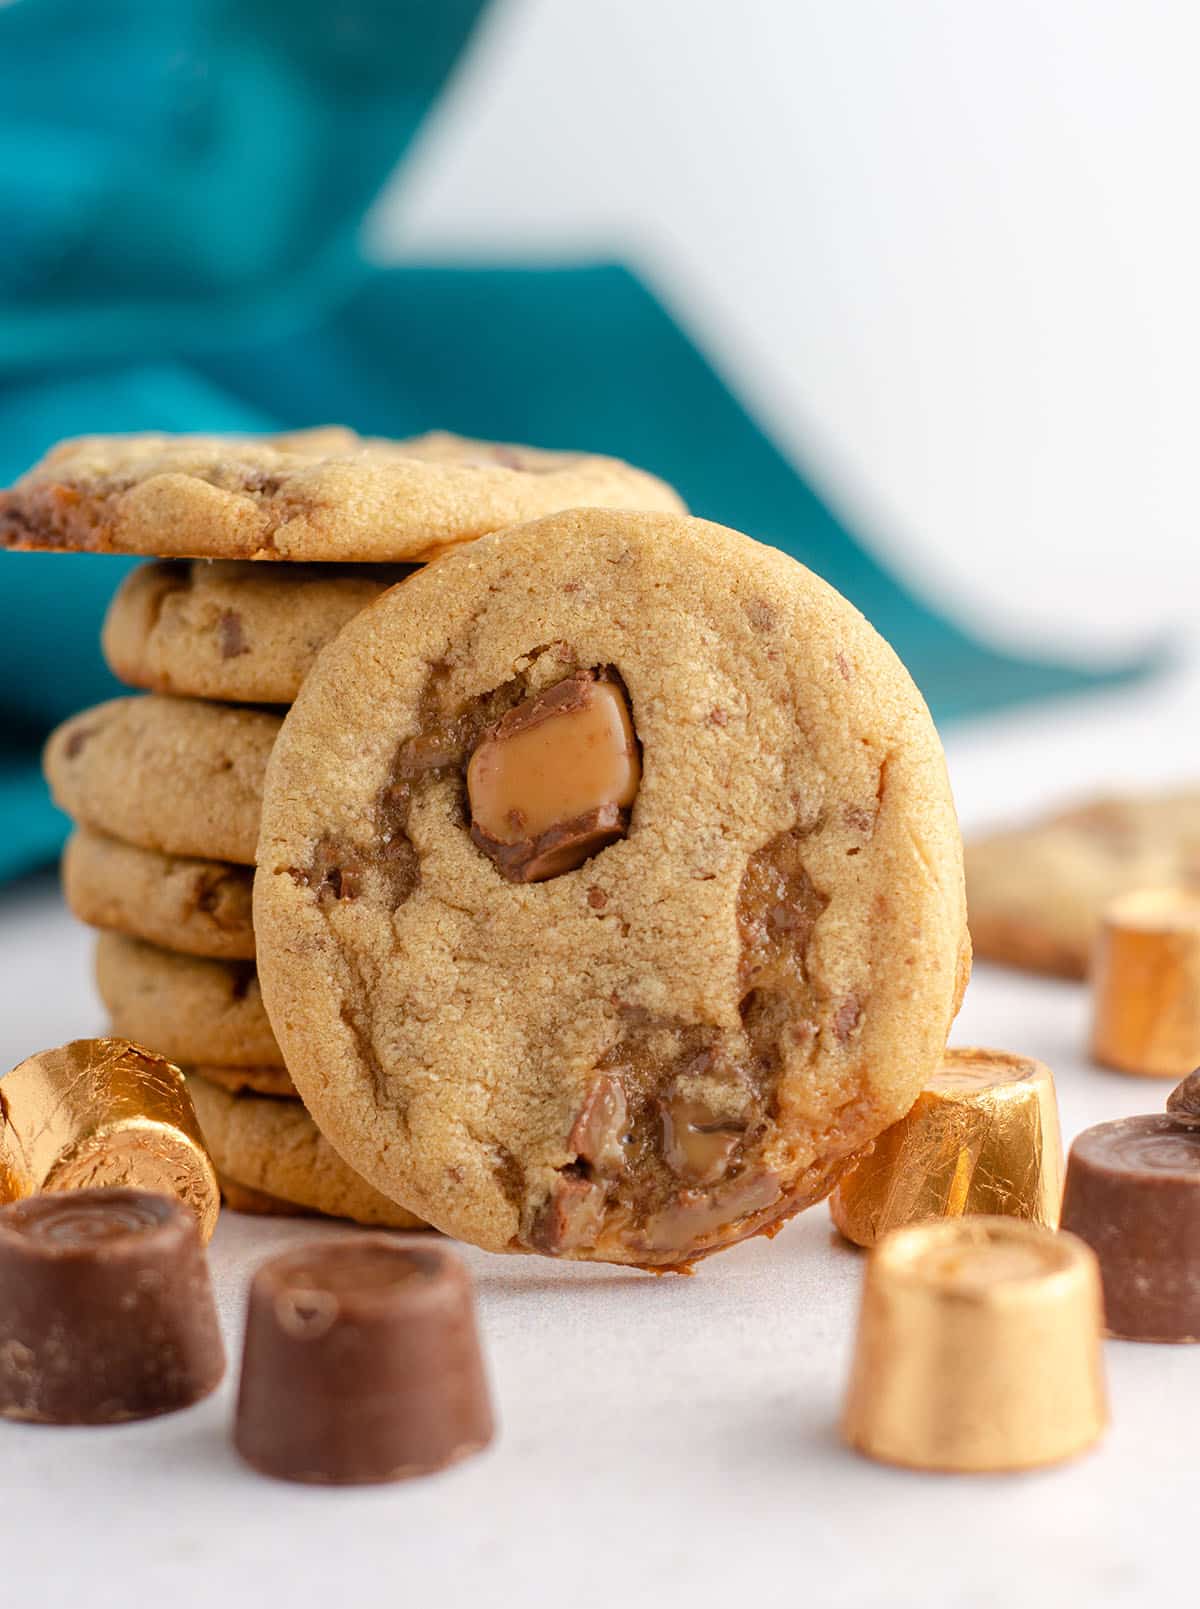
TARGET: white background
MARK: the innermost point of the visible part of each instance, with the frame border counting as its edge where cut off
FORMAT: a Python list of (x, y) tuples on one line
[(948, 250)]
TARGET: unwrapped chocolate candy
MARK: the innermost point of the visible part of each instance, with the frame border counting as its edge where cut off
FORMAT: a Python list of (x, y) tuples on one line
[(361, 1364), (106, 1312), (1133, 1193)]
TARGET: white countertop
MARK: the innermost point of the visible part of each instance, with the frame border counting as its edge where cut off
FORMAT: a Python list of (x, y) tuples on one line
[(662, 1441)]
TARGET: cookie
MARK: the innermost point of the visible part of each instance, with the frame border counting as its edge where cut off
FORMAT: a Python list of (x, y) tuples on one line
[(190, 1010), (242, 632), (1036, 893), (257, 1203), (610, 889), (329, 497), (276, 1148), (274, 1082), (176, 775), (200, 907)]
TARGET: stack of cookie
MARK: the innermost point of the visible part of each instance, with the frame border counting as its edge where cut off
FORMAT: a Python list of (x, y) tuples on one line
[(165, 788)]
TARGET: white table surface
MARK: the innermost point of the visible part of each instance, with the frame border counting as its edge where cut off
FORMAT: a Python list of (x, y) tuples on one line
[(663, 1441)]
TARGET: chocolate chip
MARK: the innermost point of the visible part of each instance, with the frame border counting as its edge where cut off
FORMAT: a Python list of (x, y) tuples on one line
[(846, 1019), (334, 874), (598, 1134), (570, 1216), (74, 744), (230, 636)]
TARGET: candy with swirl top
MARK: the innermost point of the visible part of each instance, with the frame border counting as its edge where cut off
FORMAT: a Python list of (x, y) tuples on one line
[(106, 1312)]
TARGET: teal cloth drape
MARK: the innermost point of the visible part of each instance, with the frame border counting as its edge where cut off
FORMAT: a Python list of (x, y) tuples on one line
[(184, 183)]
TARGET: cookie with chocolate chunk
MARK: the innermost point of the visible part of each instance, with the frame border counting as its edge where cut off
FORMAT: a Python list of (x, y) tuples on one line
[(1036, 893), (327, 496), (610, 889), (190, 1010), (178, 775), (233, 631), (200, 907), (274, 1148)]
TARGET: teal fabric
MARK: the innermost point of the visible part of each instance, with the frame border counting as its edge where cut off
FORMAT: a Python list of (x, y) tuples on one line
[(184, 183)]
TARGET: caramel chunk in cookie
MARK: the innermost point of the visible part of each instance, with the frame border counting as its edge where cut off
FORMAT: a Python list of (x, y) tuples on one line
[(551, 782), (680, 1043)]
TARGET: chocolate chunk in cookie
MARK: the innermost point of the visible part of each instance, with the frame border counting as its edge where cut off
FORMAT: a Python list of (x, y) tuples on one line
[(551, 783)]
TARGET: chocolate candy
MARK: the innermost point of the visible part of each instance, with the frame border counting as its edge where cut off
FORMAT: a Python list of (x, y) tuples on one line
[(103, 1112), (106, 1312), (1133, 1193), (552, 781), (1146, 983), (978, 1348), (361, 1364), (982, 1137), (1183, 1103)]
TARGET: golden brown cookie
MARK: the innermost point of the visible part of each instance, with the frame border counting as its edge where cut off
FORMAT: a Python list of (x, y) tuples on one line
[(327, 496), (273, 1082), (610, 889), (276, 1148), (234, 631), (1036, 893), (200, 907), (177, 775), (190, 1010), (257, 1203)]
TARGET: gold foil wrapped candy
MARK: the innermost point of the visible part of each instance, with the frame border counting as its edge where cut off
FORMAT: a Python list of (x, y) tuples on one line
[(978, 1348), (1146, 983), (982, 1137), (103, 1112)]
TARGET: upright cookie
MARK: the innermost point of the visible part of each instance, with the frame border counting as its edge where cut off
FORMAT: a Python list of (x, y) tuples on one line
[(242, 632), (176, 775), (1036, 893), (328, 497), (186, 1009), (610, 889), (274, 1148), (201, 907)]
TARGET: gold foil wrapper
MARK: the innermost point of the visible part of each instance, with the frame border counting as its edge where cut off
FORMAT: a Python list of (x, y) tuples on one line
[(102, 1112), (978, 1348), (982, 1137), (1146, 983)]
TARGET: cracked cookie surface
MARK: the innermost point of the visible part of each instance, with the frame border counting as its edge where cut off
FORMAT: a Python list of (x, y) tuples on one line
[(234, 631), (325, 496), (677, 1043)]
